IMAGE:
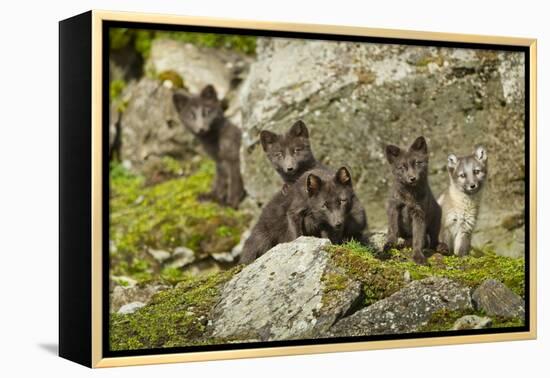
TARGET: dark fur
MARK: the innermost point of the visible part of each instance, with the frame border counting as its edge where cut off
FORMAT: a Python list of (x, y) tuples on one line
[(203, 116), (318, 204), (291, 156), (412, 209)]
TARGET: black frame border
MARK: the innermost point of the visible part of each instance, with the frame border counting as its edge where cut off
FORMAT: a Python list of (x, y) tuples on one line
[(107, 353)]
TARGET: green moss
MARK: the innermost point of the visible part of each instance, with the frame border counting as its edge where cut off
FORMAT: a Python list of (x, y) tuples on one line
[(173, 77), (381, 278), (165, 216), (241, 43), (443, 320), (175, 317), (141, 40), (115, 89)]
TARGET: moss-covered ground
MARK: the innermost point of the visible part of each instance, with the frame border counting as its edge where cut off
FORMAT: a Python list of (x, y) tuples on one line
[(164, 216), (175, 317), (382, 278)]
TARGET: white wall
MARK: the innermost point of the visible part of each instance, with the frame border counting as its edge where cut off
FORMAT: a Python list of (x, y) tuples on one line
[(28, 184)]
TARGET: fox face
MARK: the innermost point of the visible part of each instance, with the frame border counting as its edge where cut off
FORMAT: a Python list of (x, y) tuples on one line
[(290, 154), (198, 113), (329, 199), (468, 173), (409, 167)]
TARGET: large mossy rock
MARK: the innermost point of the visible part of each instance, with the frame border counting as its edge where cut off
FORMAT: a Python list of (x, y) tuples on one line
[(282, 295), (355, 98), (406, 310)]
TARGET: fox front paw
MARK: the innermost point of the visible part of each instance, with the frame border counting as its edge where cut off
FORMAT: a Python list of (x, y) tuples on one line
[(443, 248), (419, 258), (389, 246)]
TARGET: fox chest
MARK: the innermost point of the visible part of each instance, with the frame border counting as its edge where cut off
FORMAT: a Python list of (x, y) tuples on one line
[(461, 219)]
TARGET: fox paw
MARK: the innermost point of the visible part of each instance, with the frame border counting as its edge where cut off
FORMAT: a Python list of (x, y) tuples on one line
[(443, 249), (420, 259), (389, 246)]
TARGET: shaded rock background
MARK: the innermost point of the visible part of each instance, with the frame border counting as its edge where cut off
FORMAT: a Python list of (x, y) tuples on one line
[(355, 98)]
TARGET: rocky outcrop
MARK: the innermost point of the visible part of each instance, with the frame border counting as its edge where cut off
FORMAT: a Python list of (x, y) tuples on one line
[(281, 296), (407, 310), (308, 289), (495, 299), (355, 98)]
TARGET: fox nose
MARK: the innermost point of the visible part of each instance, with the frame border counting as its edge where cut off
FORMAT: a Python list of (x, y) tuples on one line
[(289, 169), (473, 186), (338, 224), (412, 179)]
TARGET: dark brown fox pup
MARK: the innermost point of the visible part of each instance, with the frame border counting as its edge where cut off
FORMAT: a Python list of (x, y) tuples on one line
[(318, 204), (203, 116), (412, 209), (291, 156)]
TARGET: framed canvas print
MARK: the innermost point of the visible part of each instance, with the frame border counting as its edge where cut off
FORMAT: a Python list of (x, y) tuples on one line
[(234, 189)]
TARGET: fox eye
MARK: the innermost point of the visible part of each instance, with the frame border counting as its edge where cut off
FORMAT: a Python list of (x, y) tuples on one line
[(298, 149), (278, 154), (419, 163), (325, 205), (477, 171), (402, 168), (461, 175), (343, 200)]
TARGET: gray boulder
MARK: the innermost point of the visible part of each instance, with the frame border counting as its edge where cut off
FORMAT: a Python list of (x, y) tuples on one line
[(472, 322), (122, 296), (406, 310), (356, 98), (130, 308), (495, 299), (282, 295), (198, 66), (151, 128)]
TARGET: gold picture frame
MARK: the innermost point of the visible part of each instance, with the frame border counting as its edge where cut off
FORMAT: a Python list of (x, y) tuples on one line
[(93, 23)]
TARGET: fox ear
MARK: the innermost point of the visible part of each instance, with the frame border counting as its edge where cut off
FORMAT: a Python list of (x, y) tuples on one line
[(419, 145), (180, 100), (343, 176), (313, 184), (299, 129), (267, 138), (481, 154), (452, 161), (392, 152), (209, 93)]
